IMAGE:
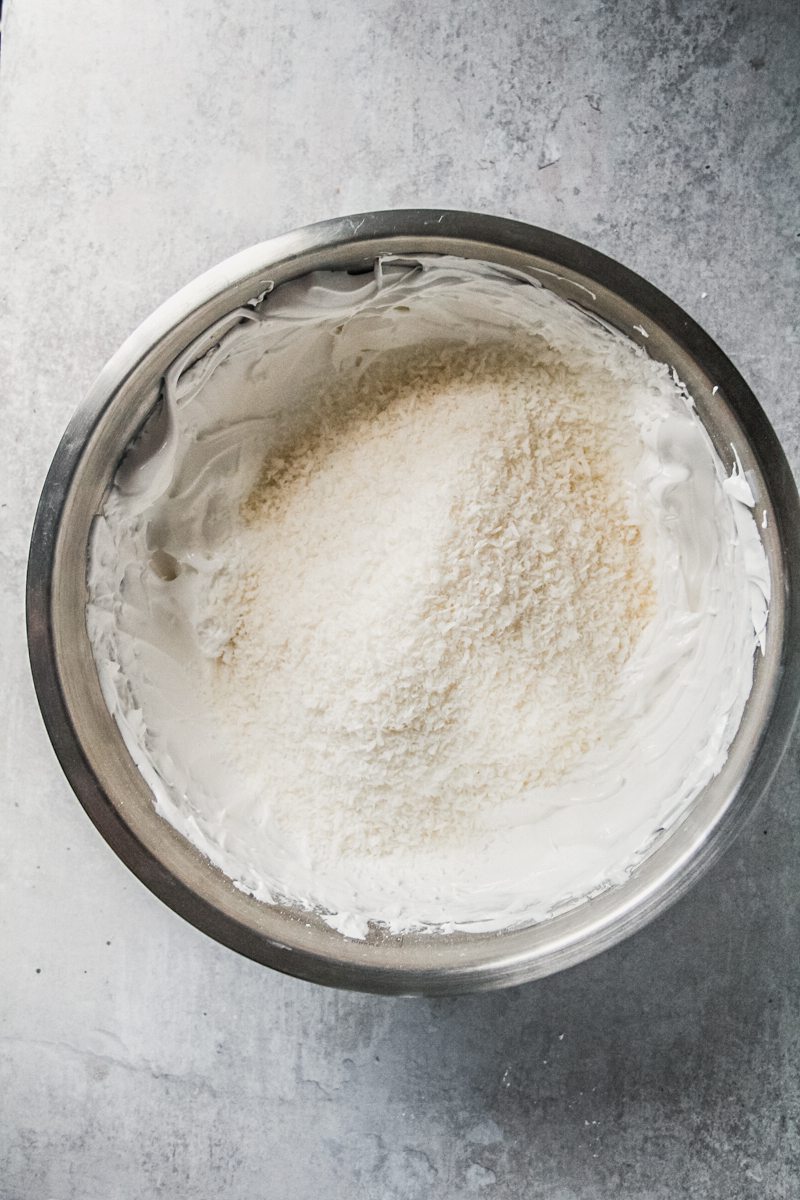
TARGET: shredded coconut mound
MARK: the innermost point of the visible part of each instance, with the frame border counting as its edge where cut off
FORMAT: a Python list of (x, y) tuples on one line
[(431, 597)]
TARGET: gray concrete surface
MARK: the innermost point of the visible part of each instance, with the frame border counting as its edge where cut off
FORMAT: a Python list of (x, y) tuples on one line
[(141, 143)]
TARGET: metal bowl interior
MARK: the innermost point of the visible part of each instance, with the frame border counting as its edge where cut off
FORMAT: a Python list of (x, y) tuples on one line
[(97, 762)]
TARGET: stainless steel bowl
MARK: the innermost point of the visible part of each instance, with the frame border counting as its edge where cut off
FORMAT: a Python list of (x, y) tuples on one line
[(91, 750)]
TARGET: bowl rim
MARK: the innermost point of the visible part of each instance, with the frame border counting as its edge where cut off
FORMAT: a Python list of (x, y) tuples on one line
[(396, 228)]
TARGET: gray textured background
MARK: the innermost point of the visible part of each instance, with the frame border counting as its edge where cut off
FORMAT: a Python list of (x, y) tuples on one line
[(141, 143)]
